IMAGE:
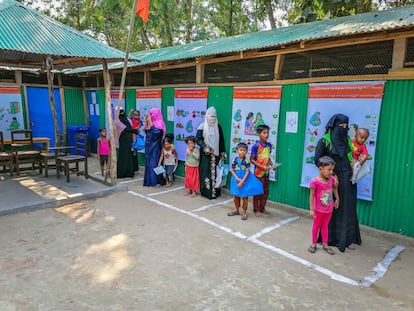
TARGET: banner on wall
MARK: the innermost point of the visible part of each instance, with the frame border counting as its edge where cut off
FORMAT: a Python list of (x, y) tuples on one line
[(11, 112), (190, 108), (361, 102), (145, 100), (253, 106)]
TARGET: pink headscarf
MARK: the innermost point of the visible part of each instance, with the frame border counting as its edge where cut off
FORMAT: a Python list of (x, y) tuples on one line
[(157, 119)]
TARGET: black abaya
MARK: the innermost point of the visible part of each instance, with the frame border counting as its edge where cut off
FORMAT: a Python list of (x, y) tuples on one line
[(208, 163), (344, 226)]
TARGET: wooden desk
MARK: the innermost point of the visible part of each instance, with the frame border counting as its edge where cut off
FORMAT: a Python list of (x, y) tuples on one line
[(43, 140)]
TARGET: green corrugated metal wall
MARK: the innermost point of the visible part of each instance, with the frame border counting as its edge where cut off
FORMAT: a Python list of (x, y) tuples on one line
[(74, 108), (289, 149), (393, 194)]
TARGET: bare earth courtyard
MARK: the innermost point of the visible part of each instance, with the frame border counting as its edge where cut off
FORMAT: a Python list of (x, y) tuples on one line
[(155, 249)]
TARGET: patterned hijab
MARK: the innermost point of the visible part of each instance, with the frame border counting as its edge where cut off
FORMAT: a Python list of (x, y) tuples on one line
[(210, 130)]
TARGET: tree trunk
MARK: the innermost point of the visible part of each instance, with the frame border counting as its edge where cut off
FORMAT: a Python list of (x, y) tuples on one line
[(52, 105), (189, 21), (113, 159), (269, 9)]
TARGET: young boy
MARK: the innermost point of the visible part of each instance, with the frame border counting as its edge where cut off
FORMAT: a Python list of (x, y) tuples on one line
[(104, 149), (360, 152), (260, 158)]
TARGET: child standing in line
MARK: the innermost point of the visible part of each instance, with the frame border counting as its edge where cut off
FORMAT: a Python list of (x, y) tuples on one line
[(360, 152), (104, 149), (260, 158), (241, 186), (168, 159), (322, 202), (192, 161)]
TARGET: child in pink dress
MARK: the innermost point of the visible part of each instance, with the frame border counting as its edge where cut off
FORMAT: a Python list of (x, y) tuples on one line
[(322, 202), (104, 149)]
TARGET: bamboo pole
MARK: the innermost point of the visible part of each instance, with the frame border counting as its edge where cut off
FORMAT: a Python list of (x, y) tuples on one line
[(112, 158), (49, 66)]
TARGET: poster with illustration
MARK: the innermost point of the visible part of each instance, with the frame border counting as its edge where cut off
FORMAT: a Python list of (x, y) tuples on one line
[(114, 104), (361, 102), (11, 113), (253, 106), (190, 108), (145, 100)]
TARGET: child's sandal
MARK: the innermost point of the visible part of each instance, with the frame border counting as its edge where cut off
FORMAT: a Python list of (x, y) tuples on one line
[(233, 213), (312, 249), (329, 250)]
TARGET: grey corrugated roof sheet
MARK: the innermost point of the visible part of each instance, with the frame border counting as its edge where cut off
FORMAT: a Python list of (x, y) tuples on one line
[(333, 28), (26, 36)]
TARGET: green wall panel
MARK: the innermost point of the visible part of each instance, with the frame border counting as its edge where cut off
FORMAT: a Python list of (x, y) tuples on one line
[(130, 100), (392, 208), (289, 150), (74, 107), (100, 94)]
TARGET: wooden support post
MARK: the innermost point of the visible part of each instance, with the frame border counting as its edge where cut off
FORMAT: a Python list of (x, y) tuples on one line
[(399, 52), (85, 102), (18, 77), (62, 103), (113, 159), (52, 101), (147, 77), (278, 67), (199, 73)]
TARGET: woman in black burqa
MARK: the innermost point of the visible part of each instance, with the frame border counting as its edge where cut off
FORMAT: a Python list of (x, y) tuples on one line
[(343, 227), (126, 157)]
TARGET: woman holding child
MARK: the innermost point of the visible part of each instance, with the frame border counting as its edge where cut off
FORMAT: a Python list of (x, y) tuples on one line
[(343, 226)]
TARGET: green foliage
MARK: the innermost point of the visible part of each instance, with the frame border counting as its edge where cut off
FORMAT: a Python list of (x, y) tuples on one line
[(173, 22)]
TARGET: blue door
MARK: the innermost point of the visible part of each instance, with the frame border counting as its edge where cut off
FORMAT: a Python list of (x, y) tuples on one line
[(40, 114), (94, 121)]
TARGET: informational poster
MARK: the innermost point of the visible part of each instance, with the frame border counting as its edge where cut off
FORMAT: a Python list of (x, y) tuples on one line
[(253, 106), (145, 100), (361, 102), (11, 112), (190, 108), (114, 104)]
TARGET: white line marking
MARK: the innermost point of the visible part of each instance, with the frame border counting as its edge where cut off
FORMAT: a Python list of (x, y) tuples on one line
[(130, 181), (273, 227), (203, 219), (382, 266), (331, 274), (166, 191), (211, 205)]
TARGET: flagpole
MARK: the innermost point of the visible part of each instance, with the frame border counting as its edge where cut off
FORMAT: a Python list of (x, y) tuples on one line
[(124, 70), (113, 160)]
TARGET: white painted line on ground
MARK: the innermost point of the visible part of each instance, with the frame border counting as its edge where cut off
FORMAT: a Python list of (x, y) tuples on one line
[(273, 227), (331, 274), (203, 219), (382, 266), (166, 191), (133, 180), (212, 205)]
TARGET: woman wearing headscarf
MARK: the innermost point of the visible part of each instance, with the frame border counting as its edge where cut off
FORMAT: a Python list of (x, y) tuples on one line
[(343, 227), (211, 141), (155, 131), (124, 138)]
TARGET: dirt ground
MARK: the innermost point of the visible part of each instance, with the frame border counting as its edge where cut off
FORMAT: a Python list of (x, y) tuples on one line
[(145, 249)]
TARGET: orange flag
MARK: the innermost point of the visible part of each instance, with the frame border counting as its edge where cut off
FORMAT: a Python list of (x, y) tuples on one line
[(142, 9)]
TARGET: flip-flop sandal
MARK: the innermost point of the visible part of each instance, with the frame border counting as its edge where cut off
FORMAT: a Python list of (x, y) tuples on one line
[(329, 250), (233, 213), (312, 249)]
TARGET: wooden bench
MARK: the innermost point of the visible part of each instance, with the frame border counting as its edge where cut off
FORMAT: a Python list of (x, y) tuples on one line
[(6, 158)]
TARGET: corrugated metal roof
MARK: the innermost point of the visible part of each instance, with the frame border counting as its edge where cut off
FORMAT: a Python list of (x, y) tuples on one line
[(343, 26), (26, 35)]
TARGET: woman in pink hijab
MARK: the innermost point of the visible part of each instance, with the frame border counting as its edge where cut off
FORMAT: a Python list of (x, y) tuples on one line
[(155, 131)]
